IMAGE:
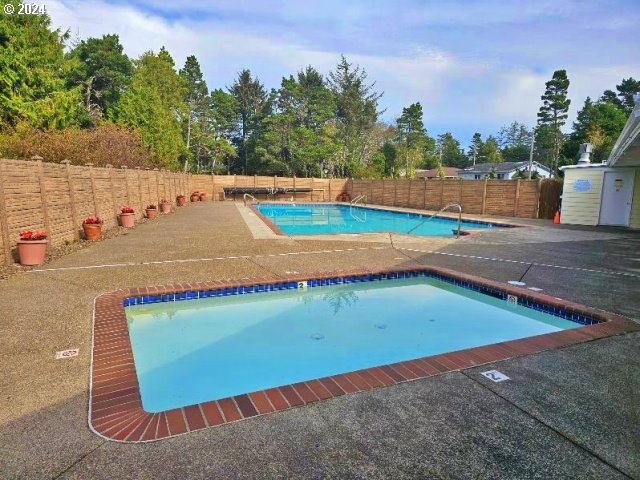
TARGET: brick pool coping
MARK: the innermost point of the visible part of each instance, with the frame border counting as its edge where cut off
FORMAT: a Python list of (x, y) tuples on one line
[(275, 229), (115, 407)]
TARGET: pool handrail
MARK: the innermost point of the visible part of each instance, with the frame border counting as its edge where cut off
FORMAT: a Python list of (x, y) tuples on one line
[(244, 199), (440, 211), (362, 198)]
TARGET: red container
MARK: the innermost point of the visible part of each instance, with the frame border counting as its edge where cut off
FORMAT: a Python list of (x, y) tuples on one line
[(32, 252), (92, 231), (127, 220)]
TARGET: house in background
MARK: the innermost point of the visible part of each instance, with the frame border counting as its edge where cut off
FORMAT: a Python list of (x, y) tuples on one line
[(503, 171), (449, 172), (606, 193)]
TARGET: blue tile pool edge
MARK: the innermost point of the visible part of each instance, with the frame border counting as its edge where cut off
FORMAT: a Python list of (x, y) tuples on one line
[(522, 298)]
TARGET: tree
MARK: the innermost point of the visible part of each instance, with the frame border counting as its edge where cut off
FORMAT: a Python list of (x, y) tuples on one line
[(356, 113), (412, 137), (490, 152), (153, 103), (251, 103), (102, 70), (32, 73), (450, 154), (598, 123), (627, 89), (475, 148), (553, 112), (198, 110), (515, 142)]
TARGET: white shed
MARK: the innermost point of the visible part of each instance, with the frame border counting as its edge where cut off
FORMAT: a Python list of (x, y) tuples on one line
[(606, 193)]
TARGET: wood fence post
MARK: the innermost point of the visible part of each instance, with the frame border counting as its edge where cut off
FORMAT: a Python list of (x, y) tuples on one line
[(43, 197), (409, 197), (441, 193), (113, 194), (4, 221), (370, 190), (395, 192), (157, 184), (460, 192), (213, 186), (93, 188), (148, 187), (484, 197), (72, 201), (538, 190), (294, 188), (126, 186), (516, 199), (140, 189), (424, 194)]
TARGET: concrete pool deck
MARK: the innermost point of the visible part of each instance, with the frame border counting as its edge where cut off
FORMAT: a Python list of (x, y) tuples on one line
[(571, 412)]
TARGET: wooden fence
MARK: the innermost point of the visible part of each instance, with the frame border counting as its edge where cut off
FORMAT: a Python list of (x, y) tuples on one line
[(57, 197)]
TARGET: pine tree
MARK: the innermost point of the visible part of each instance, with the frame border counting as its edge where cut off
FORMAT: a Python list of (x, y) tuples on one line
[(356, 114), (101, 68), (32, 74), (553, 112), (251, 102), (411, 136), (198, 111), (627, 90)]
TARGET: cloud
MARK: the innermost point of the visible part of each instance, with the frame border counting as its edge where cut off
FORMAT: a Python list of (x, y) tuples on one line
[(473, 65)]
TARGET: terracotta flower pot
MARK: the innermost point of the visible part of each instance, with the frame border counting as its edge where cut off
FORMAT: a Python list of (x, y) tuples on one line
[(195, 197), (203, 196), (127, 220), (32, 252), (152, 213), (180, 200), (165, 207), (92, 231)]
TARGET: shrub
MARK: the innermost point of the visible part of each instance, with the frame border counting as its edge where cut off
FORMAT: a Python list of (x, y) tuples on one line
[(102, 145)]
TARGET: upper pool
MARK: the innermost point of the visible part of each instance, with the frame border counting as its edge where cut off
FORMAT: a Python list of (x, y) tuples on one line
[(310, 219)]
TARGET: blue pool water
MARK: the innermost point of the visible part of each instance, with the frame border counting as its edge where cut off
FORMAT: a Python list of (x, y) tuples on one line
[(192, 351), (309, 219)]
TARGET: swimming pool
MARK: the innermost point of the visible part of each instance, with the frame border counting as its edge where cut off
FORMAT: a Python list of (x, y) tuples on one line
[(340, 320), (193, 351), (310, 219)]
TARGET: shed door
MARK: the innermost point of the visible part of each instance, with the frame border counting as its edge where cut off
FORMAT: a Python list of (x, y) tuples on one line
[(617, 192)]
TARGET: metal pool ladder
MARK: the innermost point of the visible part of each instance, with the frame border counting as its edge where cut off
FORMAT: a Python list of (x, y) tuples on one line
[(244, 198), (457, 205), (359, 199)]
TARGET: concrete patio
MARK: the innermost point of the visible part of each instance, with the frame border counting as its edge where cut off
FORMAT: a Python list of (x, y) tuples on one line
[(566, 413)]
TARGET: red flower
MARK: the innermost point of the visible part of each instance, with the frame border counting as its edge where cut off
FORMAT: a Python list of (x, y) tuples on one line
[(31, 235), (127, 210), (153, 206), (92, 221)]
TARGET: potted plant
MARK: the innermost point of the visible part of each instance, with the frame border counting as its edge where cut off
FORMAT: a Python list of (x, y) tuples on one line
[(32, 247), (195, 196), (127, 217), (92, 227), (165, 206), (152, 211), (203, 196), (180, 200)]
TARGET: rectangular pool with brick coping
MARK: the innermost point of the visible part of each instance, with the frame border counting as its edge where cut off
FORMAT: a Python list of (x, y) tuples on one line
[(236, 342)]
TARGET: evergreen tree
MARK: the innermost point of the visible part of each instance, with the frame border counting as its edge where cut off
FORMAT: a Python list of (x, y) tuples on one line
[(32, 73), (490, 152), (598, 123), (102, 70), (356, 114), (412, 137), (475, 149), (450, 154), (198, 114), (627, 90), (251, 104), (553, 112), (153, 103)]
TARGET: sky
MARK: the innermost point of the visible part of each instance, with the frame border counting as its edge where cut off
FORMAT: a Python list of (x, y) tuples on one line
[(473, 65)]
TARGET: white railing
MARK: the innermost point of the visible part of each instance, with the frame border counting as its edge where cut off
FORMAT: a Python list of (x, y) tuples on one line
[(457, 205)]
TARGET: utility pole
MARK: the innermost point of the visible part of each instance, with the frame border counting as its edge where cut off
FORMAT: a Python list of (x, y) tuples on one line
[(533, 141)]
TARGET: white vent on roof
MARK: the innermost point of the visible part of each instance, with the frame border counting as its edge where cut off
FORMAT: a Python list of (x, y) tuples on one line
[(585, 153)]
